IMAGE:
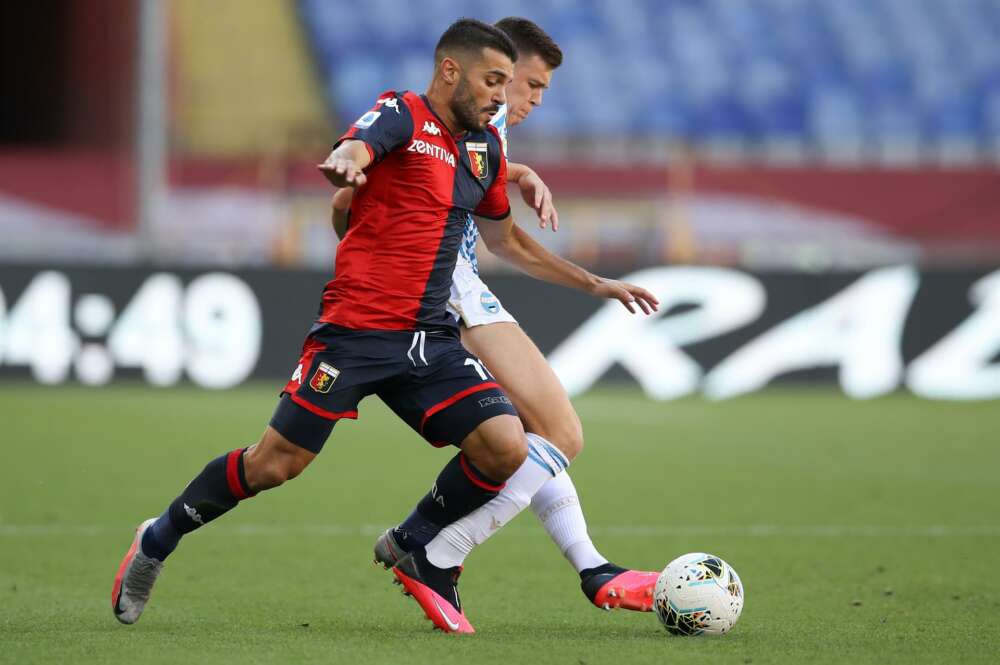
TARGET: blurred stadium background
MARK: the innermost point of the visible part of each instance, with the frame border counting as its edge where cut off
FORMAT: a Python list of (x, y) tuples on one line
[(757, 158), (812, 188)]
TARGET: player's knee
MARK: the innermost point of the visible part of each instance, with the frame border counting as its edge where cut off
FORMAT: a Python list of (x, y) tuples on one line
[(568, 438), (510, 455), (566, 434), (497, 447), (506, 453), (513, 457)]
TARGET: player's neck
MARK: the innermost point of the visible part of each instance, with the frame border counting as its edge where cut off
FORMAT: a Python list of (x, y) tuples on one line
[(438, 99)]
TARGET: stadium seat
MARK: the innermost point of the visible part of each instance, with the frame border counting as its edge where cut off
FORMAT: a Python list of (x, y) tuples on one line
[(816, 72)]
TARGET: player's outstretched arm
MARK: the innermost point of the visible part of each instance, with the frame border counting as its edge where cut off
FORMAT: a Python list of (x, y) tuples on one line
[(345, 165), (513, 244), (341, 206), (535, 193)]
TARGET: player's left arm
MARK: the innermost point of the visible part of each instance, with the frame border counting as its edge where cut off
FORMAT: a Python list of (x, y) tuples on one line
[(340, 215), (535, 193), (513, 244)]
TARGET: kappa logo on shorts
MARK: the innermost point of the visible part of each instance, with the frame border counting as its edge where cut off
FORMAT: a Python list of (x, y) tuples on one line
[(495, 399), (322, 380), (489, 302)]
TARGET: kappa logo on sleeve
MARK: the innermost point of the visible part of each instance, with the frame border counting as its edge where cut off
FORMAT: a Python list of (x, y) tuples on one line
[(367, 120), (323, 378), (389, 103)]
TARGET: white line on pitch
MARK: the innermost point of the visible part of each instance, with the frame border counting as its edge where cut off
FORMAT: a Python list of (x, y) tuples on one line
[(636, 531)]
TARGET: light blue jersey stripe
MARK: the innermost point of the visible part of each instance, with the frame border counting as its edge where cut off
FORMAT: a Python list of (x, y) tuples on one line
[(500, 122), (467, 248)]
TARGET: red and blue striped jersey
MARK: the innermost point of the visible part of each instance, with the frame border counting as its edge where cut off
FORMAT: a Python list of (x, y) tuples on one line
[(394, 266)]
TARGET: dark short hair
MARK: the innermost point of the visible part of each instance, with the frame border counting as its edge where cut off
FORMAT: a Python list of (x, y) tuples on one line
[(531, 40), (467, 35)]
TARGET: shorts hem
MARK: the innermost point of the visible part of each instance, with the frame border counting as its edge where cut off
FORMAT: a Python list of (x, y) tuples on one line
[(322, 413), (460, 395)]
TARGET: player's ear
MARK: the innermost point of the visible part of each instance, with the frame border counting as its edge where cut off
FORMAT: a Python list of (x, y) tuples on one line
[(451, 71)]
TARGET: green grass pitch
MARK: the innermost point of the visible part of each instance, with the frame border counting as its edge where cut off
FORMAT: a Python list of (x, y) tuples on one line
[(865, 532)]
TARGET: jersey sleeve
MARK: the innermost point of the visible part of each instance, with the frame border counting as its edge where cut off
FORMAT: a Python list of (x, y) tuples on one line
[(386, 127), (495, 204)]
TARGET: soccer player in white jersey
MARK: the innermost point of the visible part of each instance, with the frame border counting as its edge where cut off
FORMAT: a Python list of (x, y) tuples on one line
[(489, 331)]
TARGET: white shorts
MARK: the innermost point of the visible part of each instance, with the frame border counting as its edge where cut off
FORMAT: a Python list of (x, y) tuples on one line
[(471, 301)]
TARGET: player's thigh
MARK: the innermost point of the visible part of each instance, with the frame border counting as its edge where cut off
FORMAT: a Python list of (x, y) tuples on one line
[(334, 373), (529, 381), (452, 400)]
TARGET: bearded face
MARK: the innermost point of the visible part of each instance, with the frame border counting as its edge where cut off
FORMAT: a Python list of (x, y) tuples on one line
[(467, 111), (463, 106)]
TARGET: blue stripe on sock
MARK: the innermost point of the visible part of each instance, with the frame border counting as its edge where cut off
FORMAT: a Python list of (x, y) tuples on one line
[(557, 456), (537, 459)]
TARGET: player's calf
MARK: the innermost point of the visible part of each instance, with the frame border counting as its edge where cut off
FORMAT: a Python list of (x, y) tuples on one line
[(462, 486), (221, 485), (212, 493), (224, 482), (447, 547)]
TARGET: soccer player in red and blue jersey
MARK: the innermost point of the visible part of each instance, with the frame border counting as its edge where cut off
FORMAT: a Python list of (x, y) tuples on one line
[(422, 164), (493, 334)]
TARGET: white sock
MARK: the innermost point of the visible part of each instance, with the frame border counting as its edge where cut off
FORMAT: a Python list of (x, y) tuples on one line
[(450, 547), (557, 506)]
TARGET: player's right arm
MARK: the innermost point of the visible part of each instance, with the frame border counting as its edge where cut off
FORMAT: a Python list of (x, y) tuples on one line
[(346, 164), (535, 193), (386, 127)]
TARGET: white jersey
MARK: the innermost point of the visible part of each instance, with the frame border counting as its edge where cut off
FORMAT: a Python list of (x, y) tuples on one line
[(467, 248)]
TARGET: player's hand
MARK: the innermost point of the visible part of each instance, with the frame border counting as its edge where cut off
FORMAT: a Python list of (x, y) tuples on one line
[(627, 294), (342, 171), (537, 195)]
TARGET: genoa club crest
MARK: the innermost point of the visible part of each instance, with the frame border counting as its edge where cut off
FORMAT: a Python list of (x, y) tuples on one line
[(478, 159), (322, 380)]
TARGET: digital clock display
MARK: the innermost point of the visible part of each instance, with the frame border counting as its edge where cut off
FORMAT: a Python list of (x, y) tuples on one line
[(208, 330)]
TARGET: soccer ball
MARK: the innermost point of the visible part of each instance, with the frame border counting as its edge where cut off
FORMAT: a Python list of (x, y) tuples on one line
[(698, 594)]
